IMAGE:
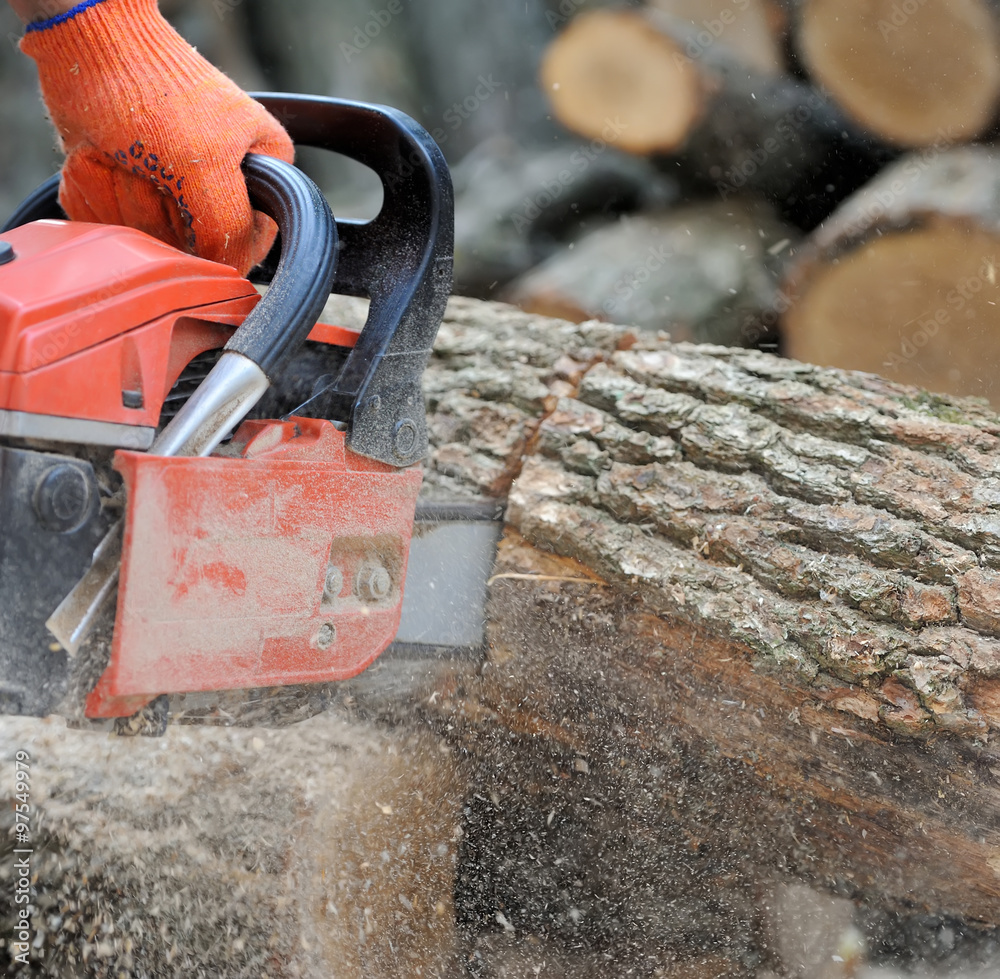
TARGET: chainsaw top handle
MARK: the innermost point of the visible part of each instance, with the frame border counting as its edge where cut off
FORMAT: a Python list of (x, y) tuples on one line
[(306, 256), (401, 260)]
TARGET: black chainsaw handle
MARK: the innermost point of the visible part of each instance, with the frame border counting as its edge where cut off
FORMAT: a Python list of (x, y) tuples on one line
[(303, 280), (40, 205), (281, 321), (401, 260)]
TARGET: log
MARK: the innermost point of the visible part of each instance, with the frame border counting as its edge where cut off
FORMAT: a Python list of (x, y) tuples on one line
[(909, 73), (772, 647), (643, 81), (751, 29), (515, 206), (705, 272), (901, 279), (745, 628), (457, 47)]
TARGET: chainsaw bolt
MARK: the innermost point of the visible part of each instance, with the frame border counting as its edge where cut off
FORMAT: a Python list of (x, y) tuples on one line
[(405, 439), (62, 498), (327, 633), (374, 582), (334, 584)]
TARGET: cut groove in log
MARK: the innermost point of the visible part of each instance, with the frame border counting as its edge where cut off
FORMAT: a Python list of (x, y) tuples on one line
[(910, 74), (903, 278)]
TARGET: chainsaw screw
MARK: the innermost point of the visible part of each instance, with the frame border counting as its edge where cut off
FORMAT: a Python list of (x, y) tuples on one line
[(374, 403), (62, 499), (374, 582), (406, 438), (334, 584), (327, 633)]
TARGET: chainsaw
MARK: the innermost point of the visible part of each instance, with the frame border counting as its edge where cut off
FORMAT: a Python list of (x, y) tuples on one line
[(203, 489)]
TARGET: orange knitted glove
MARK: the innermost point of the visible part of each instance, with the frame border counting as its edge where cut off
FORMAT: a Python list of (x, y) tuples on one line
[(153, 134)]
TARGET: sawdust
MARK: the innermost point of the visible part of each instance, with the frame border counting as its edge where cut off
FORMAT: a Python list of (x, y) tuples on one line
[(319, 849)]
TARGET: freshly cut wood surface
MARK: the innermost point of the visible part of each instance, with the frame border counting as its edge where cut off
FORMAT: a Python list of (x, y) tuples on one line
[(902, 279), (650, 83), (616, 68), (915, 73)]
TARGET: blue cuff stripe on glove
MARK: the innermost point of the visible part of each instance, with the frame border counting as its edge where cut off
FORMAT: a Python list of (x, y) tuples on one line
[(44, 25)]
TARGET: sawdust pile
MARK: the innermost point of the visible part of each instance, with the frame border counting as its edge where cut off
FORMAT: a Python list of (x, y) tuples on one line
[(324, 848)]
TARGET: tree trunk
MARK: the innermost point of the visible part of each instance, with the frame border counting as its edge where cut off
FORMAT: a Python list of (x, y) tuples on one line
[(902, 279), (517, 206), (744, 626), (779, 651), (911, 74)]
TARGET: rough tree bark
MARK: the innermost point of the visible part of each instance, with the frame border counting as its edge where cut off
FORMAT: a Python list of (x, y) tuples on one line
[(781, 651)]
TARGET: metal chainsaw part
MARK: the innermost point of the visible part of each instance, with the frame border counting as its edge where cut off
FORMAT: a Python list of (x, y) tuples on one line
[(50, 428), (452, 554)]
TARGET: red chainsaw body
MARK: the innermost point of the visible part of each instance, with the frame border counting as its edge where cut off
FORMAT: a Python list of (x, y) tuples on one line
[(251, 571), (94, 318), (281, 560)]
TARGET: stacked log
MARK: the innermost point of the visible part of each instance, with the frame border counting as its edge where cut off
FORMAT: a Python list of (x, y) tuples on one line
[(898, 277), (902, 279), (704, 272), (675, 89), (910, 73)]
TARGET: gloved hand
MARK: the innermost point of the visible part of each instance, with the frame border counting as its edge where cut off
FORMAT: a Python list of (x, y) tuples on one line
[(153, 134)]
